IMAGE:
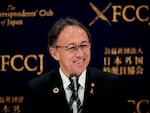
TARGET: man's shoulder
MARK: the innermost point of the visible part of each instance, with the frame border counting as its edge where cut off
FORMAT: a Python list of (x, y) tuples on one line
[(99, 74), (45, 78)]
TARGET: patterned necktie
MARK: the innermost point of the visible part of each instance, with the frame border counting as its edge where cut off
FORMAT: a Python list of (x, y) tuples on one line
[(74, 103)]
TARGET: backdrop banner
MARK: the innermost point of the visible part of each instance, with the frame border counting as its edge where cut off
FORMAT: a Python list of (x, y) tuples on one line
[(119, 29)]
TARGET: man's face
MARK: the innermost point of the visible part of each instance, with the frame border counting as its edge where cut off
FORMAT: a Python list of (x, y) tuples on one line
[(73, 50)]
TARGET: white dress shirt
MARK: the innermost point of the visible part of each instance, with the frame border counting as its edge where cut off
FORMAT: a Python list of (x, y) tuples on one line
[(66, 83)]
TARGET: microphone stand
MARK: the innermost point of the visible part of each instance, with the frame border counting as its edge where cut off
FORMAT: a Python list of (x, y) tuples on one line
[(74, 81)]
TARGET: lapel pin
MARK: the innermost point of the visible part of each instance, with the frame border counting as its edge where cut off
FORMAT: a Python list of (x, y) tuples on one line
[(55, 90), (92, 84), (92, 90)]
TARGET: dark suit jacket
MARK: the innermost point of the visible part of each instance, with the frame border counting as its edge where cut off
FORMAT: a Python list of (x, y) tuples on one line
[(103, 94)]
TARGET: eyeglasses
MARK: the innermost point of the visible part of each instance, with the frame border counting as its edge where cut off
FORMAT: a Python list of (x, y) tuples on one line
[(73, 47)]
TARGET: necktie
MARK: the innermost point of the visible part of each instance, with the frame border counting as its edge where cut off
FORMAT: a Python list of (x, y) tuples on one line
[(74, 103)]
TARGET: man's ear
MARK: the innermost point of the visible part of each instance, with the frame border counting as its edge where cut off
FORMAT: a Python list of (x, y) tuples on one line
[(53, 53)]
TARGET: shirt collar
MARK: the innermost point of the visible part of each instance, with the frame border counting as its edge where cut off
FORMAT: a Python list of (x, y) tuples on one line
[(64, 78), (82, 79)]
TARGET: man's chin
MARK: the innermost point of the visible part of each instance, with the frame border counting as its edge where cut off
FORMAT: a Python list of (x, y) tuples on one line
[(79, 71)]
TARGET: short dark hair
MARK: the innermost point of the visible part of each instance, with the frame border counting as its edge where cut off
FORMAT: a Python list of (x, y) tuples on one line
[(59, 26)]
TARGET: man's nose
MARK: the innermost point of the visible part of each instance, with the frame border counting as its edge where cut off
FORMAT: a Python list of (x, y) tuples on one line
[(79, 51)]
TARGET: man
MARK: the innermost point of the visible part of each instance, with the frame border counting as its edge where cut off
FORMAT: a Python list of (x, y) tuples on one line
[(69, 44)]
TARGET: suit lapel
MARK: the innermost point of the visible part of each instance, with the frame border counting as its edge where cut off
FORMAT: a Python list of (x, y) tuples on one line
[(57, 90), (89, 94)]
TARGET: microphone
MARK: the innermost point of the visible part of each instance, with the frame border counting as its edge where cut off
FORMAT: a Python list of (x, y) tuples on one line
[(74, 82)]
